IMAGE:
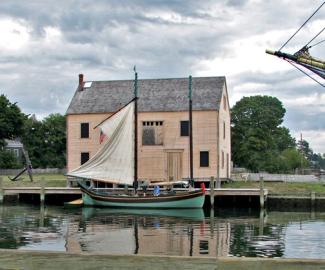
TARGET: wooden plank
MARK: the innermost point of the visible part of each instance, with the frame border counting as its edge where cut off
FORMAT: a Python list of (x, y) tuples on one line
[(66, 190)]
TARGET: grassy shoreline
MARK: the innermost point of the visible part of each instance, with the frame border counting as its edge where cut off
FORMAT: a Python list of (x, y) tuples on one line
[(279, 187), (49, 180)]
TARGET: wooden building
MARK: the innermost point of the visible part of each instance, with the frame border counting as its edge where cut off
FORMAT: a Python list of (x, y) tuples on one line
[(163, 134), (15, 147)]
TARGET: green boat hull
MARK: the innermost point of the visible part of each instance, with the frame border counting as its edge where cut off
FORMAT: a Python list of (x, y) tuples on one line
[(196, 214), (156, 203)]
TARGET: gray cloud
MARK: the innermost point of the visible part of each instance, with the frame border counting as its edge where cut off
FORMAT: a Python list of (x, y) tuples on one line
[(105, 39)]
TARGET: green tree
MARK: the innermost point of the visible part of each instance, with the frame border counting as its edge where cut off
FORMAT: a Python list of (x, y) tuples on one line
[(54, 127), (257, 137), (33, 141), (11, 126), (11, 119), (304, 148), (46, 141), (8, 160), (292, 159)]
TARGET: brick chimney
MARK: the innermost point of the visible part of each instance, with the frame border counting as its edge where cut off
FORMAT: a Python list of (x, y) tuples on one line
[(81, 82)]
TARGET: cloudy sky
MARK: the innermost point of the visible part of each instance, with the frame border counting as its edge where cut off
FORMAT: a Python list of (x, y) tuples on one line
[(45, 44)]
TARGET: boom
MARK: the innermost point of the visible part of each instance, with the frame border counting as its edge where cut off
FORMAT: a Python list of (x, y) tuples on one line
[(304, 59)]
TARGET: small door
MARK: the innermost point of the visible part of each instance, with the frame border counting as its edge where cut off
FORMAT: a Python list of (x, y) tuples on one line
[(174, 166)]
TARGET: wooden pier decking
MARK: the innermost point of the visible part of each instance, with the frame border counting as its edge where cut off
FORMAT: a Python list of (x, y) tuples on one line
[(43, 191)]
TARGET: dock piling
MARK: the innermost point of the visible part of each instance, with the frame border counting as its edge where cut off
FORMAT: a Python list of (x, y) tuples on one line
[(261, 225), (313, 198), (261, 192), (212, 192), (42, 193), (1, 190)]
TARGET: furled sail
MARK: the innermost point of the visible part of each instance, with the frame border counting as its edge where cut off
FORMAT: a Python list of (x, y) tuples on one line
[(114, 162)]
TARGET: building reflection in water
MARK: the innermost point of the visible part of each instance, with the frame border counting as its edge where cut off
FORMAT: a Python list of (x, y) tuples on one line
[(184, 233), (167, 232)]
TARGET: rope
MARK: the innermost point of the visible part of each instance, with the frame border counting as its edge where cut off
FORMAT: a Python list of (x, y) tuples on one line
[(302, 26), (316, 43), (291, 63), (315, 37)]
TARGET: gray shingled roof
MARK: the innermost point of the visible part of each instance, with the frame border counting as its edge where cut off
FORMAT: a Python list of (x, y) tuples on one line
[(154, 95)]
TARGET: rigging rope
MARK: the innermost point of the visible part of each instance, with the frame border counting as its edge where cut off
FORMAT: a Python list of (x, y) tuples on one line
[(317, 43), (291, 63), (302, 26), (314, 37)]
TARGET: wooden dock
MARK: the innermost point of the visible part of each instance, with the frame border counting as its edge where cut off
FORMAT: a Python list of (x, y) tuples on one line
[(68, 190), (253, 192), (43, 191)]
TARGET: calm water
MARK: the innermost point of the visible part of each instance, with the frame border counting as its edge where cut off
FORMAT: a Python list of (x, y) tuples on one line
[(167, 232)]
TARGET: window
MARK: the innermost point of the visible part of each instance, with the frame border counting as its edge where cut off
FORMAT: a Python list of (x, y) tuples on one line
[(185, 128), (84, 157), (222, 159), (224, 130), (204, 247), (84, 130), (152, 133), (224, 103), (16, 153), (204, 159)]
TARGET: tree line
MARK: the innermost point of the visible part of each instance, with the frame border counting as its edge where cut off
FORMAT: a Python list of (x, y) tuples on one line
[(45, 140), (261, 143)]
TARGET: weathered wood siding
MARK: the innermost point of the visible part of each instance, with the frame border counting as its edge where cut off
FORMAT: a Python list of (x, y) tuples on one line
[(224, 136), (153, 158)]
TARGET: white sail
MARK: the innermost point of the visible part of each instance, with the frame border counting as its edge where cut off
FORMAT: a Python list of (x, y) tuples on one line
[(114, 162)]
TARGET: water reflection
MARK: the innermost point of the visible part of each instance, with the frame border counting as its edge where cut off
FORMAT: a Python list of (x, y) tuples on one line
[(116, 231), (225, 232)]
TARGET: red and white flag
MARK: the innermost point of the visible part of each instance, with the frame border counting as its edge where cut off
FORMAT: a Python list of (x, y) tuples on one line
[(102, 136)]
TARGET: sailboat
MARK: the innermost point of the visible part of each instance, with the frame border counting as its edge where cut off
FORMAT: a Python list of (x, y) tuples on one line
[(116, 163)]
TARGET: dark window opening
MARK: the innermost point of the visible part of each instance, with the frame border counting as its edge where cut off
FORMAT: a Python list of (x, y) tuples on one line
[(185, 129), (84, 157), (224, 103), (204, 159), (84, 130), (223, 160), (152, 133), (204, 247), (224, 130)]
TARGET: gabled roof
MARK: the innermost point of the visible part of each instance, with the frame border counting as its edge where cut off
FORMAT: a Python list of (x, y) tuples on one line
[(155, 95), (13, 144)]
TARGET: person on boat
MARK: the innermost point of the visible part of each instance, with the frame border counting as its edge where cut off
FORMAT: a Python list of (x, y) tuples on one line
[(156, 191), (144, 187)]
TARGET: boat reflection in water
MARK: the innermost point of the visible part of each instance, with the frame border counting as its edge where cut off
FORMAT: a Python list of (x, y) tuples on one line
[(181, 232)]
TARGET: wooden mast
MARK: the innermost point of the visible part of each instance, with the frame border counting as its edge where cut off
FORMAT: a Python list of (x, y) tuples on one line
[(190, 130), (135, 181)]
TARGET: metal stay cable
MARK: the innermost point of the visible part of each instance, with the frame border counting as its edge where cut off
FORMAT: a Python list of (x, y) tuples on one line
[(317, 43), (314, 39), (302, 26)]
